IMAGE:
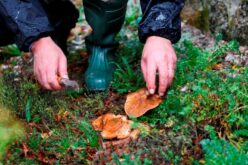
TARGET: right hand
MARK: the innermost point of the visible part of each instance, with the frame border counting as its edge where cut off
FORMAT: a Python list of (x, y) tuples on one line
[(49, 63)]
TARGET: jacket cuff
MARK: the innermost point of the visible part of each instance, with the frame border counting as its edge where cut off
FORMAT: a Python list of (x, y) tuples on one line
[(173, 35), (25, 44)]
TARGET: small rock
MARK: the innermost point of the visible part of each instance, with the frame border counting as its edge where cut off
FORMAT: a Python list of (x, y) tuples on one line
[(242, 49), (235, 59), (246, 61), (4, 67), (246, 53), (17, 79), (184, 89), (223, 42), (17, 67)]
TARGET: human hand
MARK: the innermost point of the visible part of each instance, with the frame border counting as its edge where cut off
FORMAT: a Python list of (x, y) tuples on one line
[(49, 63), (158, 56)]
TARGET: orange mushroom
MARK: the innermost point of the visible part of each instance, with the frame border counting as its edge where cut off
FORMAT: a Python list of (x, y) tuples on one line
[(99, 123), (138, 103), (112, 126)]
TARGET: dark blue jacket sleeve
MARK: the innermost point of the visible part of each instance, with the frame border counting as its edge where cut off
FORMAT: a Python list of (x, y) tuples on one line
[(161, 18), (26, 19)]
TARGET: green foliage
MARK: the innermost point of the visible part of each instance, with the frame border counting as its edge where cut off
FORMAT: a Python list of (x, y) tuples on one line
[(218, 37), (10, 130), (41, 108), (11, 50), (230, 46), (209, 94), (219, 151), (35, 140), (126, 79), (27, 109), (127, 76), (202, 95), (26, 98), (89, 132)]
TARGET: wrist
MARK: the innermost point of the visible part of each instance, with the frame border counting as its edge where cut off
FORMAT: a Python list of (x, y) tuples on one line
[(157, 38), (38, 44)]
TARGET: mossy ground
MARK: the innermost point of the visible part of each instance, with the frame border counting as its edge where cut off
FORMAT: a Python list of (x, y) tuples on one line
[(207, 100)]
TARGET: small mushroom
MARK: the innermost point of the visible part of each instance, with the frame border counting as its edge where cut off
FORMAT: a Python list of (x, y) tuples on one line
[(138, 103)]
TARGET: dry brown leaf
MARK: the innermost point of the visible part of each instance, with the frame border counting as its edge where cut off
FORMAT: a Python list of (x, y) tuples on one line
[(46, 135), (112, 126), (138, 103)]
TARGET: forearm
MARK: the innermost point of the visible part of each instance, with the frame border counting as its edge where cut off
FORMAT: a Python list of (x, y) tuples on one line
[(27, 20)]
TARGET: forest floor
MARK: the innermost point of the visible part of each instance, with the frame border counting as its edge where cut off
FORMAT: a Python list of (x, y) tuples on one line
[(202, 120)]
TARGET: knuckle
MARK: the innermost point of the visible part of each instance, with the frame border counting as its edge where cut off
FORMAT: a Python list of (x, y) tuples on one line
[(162, 89), (162, 85), (47, 87), (143, 59), (163, 76), (162, 73)]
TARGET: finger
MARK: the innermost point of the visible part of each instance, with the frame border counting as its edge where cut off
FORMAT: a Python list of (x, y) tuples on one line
[(143, 68), (53, 82), (171, 69), (163, 78), (151, 77), (43, 81), (62, 67)]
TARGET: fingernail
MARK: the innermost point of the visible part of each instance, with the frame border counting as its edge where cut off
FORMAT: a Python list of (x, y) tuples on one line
[(65, 76), (151, 91), (161, 94)]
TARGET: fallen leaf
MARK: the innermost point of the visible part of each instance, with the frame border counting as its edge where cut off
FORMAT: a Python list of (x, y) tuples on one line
[(62, 115), (138, 103), (46, 135), (25, 149)]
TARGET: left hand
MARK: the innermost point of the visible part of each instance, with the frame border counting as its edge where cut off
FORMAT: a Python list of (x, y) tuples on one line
[(158, 56)]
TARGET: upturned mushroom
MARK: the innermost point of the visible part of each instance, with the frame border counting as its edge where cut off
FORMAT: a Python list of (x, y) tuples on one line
[(138, 103)]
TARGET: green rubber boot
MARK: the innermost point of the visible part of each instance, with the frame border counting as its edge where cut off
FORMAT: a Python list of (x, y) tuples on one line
[(106, 19)]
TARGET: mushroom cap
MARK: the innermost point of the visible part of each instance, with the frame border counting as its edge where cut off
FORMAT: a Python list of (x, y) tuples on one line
[(99, 123), (108, 135), (112, 126), (138, 103), (124, 131)]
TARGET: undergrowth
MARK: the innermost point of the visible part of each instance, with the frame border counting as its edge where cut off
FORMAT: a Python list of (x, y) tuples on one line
[(204, 92), (54, 129), (203, 120)]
